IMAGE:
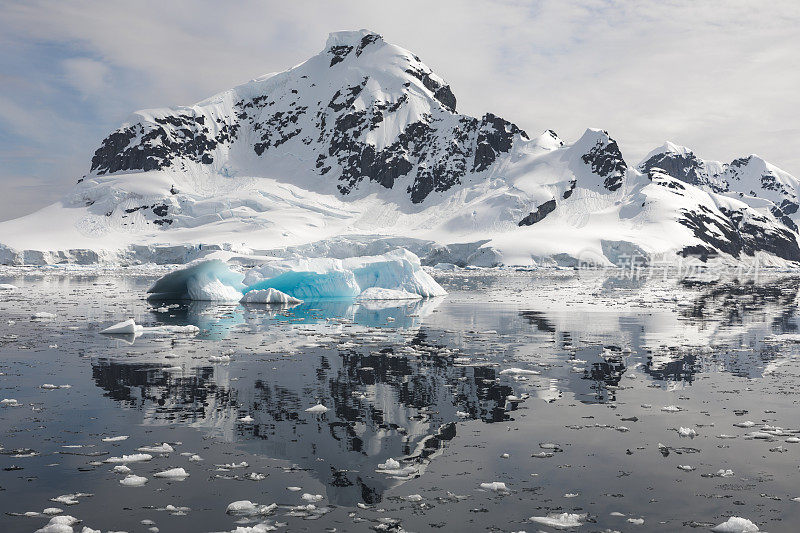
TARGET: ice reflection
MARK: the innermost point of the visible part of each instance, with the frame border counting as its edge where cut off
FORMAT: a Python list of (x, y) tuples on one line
[(399, 379)]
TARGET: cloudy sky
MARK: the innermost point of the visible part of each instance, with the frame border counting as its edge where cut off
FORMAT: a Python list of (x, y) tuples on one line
[(722, 77)]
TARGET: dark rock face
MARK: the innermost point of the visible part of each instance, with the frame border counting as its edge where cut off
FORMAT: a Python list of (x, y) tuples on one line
[(339, 53), (440, 92), (685, 167), (735, 234), (160, 144), (605, 160), (541, 211)]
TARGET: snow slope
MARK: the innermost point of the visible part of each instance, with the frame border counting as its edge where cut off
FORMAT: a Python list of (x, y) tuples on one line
[(361, 149)]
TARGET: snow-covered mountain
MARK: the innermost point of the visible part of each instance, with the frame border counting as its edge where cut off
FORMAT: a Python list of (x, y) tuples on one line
[(361, 148)]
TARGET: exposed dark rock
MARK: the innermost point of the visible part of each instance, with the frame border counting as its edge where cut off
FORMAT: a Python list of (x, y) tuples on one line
[(541, 211), (605, 160), (339, 53)]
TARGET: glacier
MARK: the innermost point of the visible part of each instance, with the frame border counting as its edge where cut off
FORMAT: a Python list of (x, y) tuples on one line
[(397, 274)]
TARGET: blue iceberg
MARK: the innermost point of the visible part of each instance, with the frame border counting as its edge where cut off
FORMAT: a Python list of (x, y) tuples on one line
[(396, 274)]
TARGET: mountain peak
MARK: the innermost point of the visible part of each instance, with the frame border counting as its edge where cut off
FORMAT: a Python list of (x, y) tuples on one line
[(351, 38)]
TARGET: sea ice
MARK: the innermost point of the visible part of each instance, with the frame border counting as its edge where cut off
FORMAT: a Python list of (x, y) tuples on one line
[(519, 372), (7, 287), (42, 315), (133, 480), (736, 524), (559, 521), (133, 458), (496, 486), (319, 408), (173, 473), (160, 448), (126, 327), (118, 438)]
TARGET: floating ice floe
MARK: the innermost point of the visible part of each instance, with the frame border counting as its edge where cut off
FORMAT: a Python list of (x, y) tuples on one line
[(671, 409), (50, 386), (59, 524), (736, 524), (395, 275), (121, 469), (248, 508), (133, 480), (173, 473), (687, 432), (159, 448), (130, 327), (9, 402), (519, 372), (312, 498), (318, 409), (132, 458), (117, 438), (496, 486), (70, 499), (8, 287), (560, 521), (42, 315), (247, 419)]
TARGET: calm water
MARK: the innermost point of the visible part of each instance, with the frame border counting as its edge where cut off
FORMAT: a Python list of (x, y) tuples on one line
[(582, 429)]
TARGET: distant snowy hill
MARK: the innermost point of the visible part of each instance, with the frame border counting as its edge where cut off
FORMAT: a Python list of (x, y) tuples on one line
[(361, 149)]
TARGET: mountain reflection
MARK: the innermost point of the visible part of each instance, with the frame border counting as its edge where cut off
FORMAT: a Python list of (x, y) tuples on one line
[(399, 379)]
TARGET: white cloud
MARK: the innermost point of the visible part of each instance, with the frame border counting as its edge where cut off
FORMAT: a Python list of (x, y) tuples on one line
[(87, 76)]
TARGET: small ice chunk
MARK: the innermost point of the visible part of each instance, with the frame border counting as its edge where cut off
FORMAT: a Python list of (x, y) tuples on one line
[(126, 327), (520, 372), (121, 469), (118, 438), (687, 432), (132, 458), (173, 473), (636, 521), (671, 409), (7, 287), (414, 498), (736, 524), (319, 408), (247, 419), (50, 386), (312, 498), (59, 524), (559, 521), (297, 489), (133, 480), (745, 424), (496, 486), (42, 315), (160, 448), (686, 468), (9, 402), (248, 508)]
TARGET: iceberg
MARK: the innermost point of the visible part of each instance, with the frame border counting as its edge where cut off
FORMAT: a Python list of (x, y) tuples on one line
[(395, 275), (269, 296), (211, 280)]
